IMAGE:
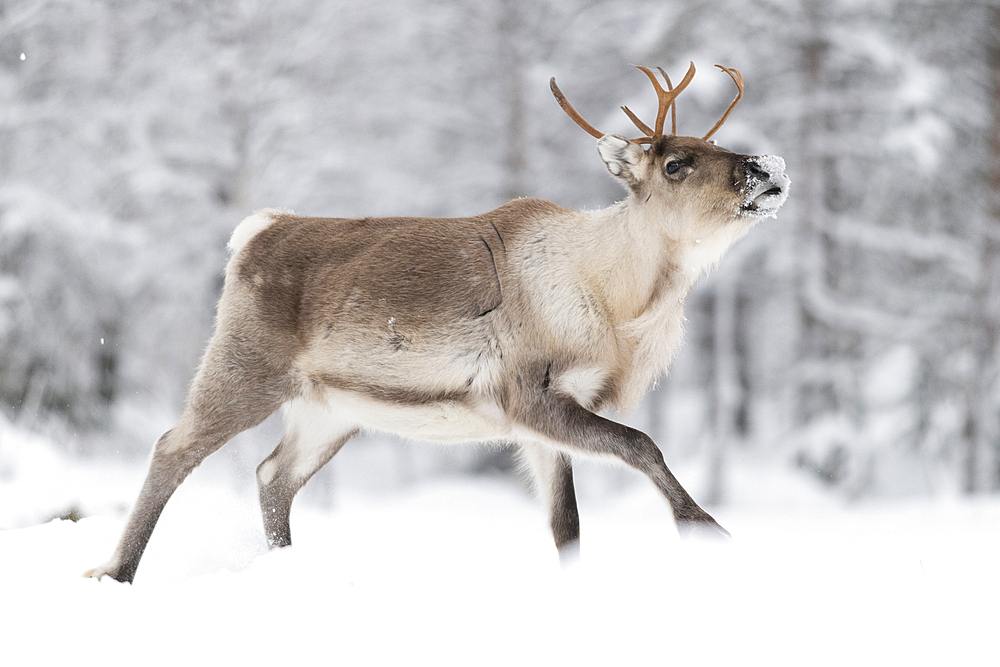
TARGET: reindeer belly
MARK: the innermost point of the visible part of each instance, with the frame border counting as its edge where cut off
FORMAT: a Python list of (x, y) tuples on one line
[(428, 387), (444, 421)]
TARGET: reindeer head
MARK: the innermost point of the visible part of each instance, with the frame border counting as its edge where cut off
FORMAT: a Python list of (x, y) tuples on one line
[(691, 181)]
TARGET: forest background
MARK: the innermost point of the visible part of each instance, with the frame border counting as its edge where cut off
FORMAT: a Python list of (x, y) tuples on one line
[(855, 339)]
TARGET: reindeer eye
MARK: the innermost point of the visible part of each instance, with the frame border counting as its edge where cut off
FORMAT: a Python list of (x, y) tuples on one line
[(674, 166)]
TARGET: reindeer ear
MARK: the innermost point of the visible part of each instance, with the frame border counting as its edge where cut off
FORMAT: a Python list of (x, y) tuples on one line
[(622, 158)]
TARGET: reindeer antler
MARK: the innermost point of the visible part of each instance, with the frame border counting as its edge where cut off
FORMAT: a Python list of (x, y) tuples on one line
[(571, 112), (673, 105), (738, 80), (667, 101), (673, 111)]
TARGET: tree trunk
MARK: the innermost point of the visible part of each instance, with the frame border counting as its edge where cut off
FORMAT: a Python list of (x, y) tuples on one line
[(985, 437), (512, 71), (727, 382)]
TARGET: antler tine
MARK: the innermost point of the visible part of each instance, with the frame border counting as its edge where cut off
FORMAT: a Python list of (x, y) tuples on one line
[(666, 97), (738, 80), (638, 123), (646, 128), (661, 112), (673, 105), (571, 112)]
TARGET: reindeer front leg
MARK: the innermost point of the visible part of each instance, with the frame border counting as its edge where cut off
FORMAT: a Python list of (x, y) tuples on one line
[(553, 473), (564, 422)]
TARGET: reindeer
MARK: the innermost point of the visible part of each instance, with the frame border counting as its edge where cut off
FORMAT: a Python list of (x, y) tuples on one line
[(517, 326)]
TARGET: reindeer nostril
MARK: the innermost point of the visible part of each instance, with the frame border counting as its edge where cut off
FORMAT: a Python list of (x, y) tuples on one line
[(754, 170)]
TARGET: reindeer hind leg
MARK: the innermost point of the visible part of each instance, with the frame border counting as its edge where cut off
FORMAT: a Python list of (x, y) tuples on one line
[(230, 394), (312, 437)]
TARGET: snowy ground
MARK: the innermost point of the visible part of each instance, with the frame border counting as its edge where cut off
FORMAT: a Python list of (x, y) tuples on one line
[(463, 572)]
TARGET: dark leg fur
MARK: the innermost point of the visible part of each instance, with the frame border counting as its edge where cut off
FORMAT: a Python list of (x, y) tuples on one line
[(563, 420), (277, 493), (563, 514)]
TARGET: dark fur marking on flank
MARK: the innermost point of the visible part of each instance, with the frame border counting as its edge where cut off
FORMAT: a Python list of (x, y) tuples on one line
[(398, 341), (496, 276), (499, 236), (400, 395)]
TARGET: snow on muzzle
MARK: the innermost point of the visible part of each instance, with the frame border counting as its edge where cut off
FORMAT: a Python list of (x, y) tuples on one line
[(766, 185)]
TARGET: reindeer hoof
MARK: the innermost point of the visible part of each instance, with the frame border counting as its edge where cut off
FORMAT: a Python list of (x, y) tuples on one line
[(569, 554), (702, 529), (108, 569)]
